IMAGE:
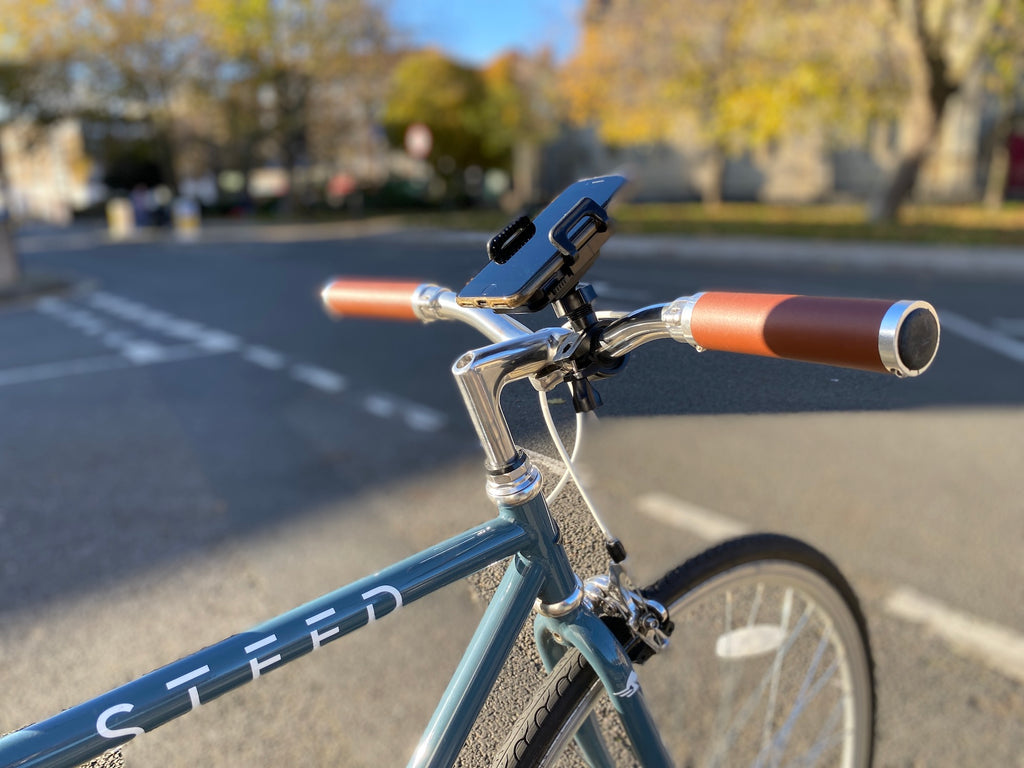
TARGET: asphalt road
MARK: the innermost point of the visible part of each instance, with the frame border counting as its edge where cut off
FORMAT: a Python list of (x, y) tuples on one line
[(189, 446)]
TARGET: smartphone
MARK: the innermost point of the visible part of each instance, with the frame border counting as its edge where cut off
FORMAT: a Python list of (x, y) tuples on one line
[(562, 244)]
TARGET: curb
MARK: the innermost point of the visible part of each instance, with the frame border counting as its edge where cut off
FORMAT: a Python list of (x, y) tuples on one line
[(928, 258), (979, 261), (35, 286)]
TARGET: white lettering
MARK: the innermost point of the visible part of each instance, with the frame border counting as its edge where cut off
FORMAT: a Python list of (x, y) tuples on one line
[(257, 665), (317, 636), (115, 733), (193, 692), (382, 590)]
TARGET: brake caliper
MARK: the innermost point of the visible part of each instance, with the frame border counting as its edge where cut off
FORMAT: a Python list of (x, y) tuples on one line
[(614, 596)]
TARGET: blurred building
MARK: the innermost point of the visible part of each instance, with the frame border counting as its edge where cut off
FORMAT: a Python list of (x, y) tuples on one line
[(49, 173), (807, 168)]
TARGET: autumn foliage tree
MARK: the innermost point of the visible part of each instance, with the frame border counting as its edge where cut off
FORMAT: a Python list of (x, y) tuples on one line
[(477, 117), (942, 43), (729, 76)]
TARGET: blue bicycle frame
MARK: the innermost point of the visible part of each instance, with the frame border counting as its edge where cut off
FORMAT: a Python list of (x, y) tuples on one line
[(539, 574), (539, 570)]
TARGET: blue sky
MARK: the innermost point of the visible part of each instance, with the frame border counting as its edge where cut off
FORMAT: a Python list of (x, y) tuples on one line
[(474, 31)]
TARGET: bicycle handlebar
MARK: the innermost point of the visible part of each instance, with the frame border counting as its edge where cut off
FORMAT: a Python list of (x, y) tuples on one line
[(371, 298), (899, 337)]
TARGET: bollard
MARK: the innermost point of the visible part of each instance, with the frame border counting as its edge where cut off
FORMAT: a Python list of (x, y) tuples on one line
[(120, 218), (185, 214)]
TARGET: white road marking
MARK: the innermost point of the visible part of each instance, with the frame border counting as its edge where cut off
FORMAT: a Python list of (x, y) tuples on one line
[(186, 330), (98, 364), (1014, 326), (996, 646), (204, 341), (143, 352), (701, 522), (217, 341), (320, 378), (423, 419), (264, 357), (982, 335), (380, 405)]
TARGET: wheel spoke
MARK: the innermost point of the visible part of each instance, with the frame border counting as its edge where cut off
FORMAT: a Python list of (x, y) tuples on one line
[(806, 695), (746, 710)]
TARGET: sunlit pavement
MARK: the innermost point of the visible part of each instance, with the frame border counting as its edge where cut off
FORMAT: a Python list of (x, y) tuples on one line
[(190, 446)]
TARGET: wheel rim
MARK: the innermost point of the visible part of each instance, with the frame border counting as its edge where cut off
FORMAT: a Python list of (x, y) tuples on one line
[(766, 668)]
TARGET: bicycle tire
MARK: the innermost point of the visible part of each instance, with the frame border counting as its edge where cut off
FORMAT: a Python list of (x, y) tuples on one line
[(745, 573)]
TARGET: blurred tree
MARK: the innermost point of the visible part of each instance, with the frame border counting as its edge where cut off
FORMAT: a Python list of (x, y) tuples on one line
[(429, 88), (942, 42), (1004, 55), (296, 73), (489, 117), (519, 113), (517, 105), (730, 75), (34, 80), (141, 60)]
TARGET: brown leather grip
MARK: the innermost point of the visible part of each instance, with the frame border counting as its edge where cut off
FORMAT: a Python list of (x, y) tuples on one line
[(831, 331), (371, 298)]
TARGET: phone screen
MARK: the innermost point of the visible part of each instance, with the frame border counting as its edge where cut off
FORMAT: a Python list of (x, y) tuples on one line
[(515, 284)]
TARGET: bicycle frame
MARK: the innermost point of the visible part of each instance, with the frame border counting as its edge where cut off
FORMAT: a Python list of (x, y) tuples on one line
[(524, 531)]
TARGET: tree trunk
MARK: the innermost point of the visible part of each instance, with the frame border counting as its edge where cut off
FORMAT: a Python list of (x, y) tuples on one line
[(931, 86), (999, 163), (713, 186), (10, 265)]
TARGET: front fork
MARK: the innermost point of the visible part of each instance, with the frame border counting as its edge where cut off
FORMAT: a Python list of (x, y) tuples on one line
[(583, 629)]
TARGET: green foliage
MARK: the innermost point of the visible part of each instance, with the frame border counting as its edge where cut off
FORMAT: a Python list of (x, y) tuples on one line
[(427, 87), (475, 116)]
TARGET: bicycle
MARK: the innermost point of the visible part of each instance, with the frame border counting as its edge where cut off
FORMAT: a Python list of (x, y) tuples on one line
[(765, 621)]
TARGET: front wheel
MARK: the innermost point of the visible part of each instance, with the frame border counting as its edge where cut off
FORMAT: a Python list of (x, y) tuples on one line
[(769, 665)]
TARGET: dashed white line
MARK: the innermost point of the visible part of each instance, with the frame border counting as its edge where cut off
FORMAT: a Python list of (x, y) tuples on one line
[(143, 352), (319, 378), (264, 357), (701, 522), (423, 419), (983, 336), (202, 340), (380, 405), (34, 373), (994, 645), (217, 341)]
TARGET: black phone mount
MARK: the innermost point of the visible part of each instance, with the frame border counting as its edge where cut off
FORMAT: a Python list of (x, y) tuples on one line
[(577, 237)]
